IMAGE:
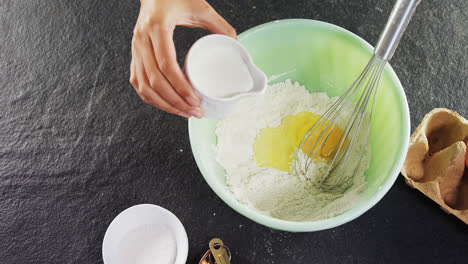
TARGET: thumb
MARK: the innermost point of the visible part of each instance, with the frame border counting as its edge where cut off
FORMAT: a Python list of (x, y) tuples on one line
[(216, 24)]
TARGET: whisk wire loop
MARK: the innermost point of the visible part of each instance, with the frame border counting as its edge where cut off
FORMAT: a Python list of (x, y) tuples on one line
[(354, 88), (326, 119), (355, 126), (317, 135)]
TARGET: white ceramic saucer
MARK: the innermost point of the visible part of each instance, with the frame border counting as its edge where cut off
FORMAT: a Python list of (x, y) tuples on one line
[(129, 232)]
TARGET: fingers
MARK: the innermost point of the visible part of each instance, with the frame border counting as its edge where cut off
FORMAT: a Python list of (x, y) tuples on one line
[(148, 95), (152, 86), (159, 83), (133, 77), (216, 24), (164, 50), (155, 73)]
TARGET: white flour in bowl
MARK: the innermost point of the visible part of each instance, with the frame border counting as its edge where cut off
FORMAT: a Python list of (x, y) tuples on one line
[(273, 192)]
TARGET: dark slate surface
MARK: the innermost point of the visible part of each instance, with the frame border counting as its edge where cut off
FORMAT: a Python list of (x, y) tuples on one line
[(77, 145)]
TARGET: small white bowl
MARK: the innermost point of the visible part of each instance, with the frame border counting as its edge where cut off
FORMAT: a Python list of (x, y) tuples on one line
[(136, 225), (215, 107)]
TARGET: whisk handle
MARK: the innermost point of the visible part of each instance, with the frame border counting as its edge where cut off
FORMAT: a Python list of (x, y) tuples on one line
[(395, 27)]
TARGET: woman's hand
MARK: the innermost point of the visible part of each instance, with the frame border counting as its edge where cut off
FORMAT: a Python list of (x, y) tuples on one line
[(154, 71)]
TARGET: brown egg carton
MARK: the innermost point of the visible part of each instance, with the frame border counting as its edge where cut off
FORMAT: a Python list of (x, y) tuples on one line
[(435, 163)]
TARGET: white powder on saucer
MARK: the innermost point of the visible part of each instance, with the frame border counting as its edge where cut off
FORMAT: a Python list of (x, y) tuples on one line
[(148, 244)]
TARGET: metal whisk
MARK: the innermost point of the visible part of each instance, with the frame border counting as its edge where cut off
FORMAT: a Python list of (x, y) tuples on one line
[(356, 99)]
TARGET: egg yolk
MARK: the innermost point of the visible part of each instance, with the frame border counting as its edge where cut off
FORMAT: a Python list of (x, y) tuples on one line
[(274, 146)]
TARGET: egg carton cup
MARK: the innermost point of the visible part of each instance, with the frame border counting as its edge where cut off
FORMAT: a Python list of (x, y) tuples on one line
[(435, 163)]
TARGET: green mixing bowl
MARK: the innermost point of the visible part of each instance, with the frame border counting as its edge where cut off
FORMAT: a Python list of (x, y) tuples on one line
[(324, 58)]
